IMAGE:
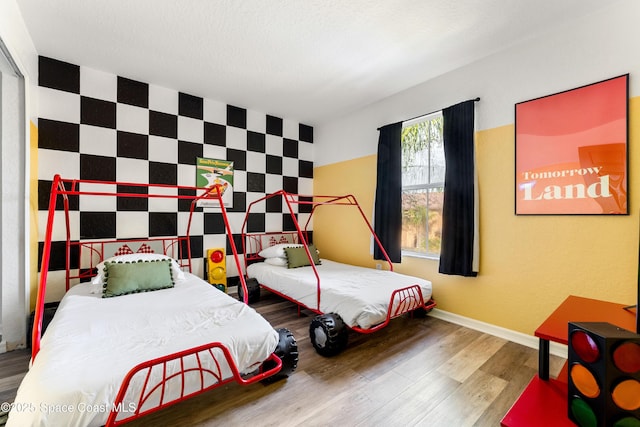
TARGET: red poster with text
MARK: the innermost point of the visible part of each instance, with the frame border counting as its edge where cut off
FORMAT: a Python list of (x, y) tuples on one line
[(571, 151)]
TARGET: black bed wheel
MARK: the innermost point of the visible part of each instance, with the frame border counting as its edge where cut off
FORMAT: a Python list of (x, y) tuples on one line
[(253, 291), (420, 313), (287, 351), (329, 334)]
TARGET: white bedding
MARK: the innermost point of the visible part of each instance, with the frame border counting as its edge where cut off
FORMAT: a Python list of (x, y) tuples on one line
[(359, 295), (93, 342)]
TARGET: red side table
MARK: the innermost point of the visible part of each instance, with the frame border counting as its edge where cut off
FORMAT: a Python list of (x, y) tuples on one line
[(544, 400)]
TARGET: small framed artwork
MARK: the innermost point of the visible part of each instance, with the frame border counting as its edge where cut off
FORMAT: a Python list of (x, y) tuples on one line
[(571, 151), (210, 172)]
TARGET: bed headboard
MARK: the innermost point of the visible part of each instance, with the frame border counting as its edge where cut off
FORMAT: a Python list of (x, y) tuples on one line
[(90, 253), (255, 242)]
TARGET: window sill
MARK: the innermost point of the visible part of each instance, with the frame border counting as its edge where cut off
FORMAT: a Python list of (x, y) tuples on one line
[(419, 255)]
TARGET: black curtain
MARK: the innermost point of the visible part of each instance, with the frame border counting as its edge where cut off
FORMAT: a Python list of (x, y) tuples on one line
[(459, 246), (388, 209)]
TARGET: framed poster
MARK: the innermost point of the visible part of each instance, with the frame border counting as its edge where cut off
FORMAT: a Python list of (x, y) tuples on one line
[(213, 171), (571, 151)]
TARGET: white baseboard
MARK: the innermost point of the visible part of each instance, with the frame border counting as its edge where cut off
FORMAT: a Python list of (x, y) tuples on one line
[(3, 347), (556, 349)]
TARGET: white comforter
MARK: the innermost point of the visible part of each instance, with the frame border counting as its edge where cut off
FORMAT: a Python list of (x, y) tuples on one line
[(93, 342), (359, 295)]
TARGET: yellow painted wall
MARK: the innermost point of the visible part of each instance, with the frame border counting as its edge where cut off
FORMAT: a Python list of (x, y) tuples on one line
[(33, 214), (528, 264), (339, 231)]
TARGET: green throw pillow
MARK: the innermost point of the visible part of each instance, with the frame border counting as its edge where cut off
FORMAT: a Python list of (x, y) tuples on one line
[(297, 257), (123, 278)]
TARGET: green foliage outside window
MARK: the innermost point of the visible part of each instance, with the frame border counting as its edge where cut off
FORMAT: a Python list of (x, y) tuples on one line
[(423, 167)]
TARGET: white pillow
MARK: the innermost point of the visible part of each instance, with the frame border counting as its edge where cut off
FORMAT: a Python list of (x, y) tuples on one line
[(277, 251), (178, 274), (282, 262)]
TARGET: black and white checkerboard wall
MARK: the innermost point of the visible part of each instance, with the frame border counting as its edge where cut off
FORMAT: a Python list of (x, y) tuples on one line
[(99, 126)]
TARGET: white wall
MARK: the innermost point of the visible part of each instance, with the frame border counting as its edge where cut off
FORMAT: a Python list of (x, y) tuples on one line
[(14, 34), (14, 175), (12, 211), (593, 48)]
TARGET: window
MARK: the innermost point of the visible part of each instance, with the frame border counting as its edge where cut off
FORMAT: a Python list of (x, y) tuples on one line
[(423, 167)]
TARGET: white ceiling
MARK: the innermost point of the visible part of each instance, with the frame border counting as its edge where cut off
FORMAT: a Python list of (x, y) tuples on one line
[(306, 60)]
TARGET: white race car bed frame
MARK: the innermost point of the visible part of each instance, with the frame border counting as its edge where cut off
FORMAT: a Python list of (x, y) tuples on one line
[(192, 312), (343, 297)]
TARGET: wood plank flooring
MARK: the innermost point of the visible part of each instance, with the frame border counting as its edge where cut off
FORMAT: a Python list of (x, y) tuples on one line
[(415, 372)]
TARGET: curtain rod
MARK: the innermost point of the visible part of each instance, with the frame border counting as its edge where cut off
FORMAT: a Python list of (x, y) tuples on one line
[(426, 114)]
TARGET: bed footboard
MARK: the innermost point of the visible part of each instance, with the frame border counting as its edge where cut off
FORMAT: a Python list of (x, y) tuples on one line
[(140, 394), (402, 301)]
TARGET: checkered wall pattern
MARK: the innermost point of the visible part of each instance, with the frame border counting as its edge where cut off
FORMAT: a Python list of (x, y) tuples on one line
[(99, 126)]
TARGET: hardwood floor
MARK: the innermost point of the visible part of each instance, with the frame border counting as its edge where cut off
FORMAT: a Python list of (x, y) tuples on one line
[(415, 372)]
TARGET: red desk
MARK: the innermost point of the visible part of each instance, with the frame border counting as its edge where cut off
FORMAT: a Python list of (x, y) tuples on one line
[(544, 401), (578, 309)]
